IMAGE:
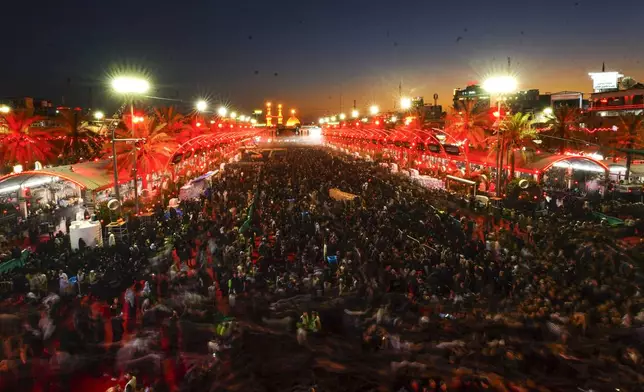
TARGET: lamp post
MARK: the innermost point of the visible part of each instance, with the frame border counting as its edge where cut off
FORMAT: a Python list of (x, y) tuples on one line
[(130, 87), (499, 85)]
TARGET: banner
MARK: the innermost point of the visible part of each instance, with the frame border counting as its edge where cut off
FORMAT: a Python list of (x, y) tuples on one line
[(337, 194)]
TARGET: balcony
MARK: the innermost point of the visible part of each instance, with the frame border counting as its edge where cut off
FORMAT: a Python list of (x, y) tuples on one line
[(611, 108)]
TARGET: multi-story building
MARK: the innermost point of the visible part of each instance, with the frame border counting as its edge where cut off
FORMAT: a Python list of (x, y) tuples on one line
[(40, 107), (617, 102), (474, 93), (528, 101)]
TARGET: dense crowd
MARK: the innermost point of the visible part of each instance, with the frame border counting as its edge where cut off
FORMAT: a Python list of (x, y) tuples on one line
[(393, 287)]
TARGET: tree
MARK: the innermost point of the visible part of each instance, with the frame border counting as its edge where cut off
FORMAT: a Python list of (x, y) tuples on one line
[(21, 142), (564, 120), (633, 126), (79, 141), (175, 121), (516, 130), (152, 153), (465, 122)]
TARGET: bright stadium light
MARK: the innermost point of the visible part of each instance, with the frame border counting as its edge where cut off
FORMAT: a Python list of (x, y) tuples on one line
[(130, 85), (99, 115), (500, 84), (405, 103), (222, 111), (202, 105), (374, 110)]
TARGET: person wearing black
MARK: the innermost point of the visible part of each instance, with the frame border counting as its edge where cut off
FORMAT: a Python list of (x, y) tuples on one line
[(117, 329)]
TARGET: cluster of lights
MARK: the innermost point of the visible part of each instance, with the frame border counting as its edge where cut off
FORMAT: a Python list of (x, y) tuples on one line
[(222, 111)]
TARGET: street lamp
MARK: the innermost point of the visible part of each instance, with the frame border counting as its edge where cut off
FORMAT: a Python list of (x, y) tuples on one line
[(355, 113), (321, 121), (233, 115), (342, 116), (201, 105), (500, 85), (405, 103), (222, 111), (130, 86), (99, 115), (374, 110)]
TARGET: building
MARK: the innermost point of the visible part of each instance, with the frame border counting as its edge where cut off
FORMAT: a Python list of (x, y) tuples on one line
[(475, 93), (573, 99), (433, 112), (618, 102), (528, 101), (40, 107)]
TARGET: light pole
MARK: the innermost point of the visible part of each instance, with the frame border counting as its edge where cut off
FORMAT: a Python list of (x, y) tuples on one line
[(499, 85), (130, 87)]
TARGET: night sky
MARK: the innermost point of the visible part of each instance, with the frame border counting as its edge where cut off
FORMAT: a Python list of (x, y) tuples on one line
[(315, 55)]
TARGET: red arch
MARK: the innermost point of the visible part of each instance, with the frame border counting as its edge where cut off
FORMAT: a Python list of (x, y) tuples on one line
[(567, 157)]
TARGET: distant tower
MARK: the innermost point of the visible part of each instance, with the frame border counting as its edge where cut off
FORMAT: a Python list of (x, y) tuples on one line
[(279, 114), (603, 67), (269, 117)]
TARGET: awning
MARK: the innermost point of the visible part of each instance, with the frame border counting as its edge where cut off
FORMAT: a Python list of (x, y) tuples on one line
[(93, 175)]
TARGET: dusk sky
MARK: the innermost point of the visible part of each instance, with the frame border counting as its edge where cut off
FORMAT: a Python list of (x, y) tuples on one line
[(312, 55)]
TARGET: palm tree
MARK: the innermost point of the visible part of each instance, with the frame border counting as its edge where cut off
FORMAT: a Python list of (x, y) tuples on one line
[(515, 130), (564, 120), (23, 143), (465, 122), (152, 153), (633, 126), (80, 141), (175, 121)]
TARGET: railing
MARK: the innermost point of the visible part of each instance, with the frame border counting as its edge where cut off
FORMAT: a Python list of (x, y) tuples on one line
[(616, 107)]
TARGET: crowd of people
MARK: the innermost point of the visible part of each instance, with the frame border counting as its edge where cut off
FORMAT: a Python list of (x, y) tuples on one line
[(393, 287)]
